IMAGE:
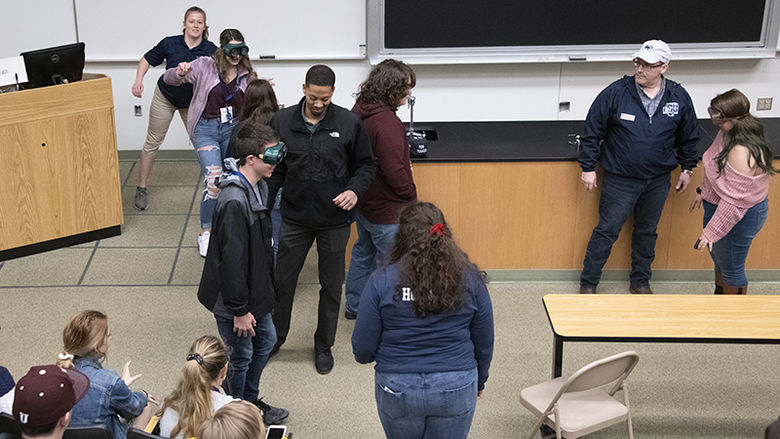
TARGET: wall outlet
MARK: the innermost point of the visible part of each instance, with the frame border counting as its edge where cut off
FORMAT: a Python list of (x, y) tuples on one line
[(138, 111), (764, 104)]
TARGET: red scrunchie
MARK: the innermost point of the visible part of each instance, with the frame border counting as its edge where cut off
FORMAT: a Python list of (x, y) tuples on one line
[(437, 229)]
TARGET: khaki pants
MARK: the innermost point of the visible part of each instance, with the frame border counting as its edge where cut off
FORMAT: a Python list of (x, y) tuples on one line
[(160, 116)]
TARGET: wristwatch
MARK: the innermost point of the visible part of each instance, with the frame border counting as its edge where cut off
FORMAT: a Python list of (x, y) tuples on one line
[(688, 171)]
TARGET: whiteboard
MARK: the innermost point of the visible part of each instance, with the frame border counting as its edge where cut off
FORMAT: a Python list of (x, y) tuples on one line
[(285, 29), (26, 26)]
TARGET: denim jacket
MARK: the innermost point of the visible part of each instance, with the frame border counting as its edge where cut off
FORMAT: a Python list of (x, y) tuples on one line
[(107, 399)]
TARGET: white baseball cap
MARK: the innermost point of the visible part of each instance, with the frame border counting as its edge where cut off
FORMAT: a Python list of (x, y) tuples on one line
[(653, 51)]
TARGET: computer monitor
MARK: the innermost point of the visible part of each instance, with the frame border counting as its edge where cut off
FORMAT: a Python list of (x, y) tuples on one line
[(54, 65)]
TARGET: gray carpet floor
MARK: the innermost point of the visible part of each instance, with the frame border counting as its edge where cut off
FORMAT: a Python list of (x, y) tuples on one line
[(146, 281)]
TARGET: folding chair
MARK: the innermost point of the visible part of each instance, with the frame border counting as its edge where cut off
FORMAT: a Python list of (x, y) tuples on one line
[(584, 402)]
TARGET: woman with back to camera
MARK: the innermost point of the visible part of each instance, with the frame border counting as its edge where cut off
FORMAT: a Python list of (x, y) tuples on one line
[(191, 44), (260, 104), (427, 321), (86, 339), (235, 420), (199, 391), (219, 84), (737, 167)]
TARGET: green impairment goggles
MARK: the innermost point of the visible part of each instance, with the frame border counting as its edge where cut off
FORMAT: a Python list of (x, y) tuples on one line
[(274, 155), (236, 50)]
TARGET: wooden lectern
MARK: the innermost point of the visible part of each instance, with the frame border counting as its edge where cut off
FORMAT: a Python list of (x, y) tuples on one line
[(59, 169)]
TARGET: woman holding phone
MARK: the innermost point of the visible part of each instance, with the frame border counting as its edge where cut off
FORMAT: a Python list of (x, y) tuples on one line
[(737, 167)]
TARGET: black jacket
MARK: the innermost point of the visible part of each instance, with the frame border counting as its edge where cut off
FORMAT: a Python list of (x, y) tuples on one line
[(319, 166), (238, 273)]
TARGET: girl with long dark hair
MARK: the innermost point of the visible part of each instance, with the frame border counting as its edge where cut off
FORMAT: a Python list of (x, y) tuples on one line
[(427, 321), (737, 167)]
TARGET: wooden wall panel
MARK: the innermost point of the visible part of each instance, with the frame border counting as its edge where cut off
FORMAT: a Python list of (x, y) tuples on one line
[(536, 215)]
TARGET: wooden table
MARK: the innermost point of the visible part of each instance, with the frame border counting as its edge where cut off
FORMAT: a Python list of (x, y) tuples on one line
[(661, 318)]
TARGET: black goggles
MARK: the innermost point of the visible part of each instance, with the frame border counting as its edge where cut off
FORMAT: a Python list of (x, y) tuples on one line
[(236, 50), (274, 155)]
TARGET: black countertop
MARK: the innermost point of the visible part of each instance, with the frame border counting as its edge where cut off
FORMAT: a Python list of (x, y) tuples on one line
[(529, 141)]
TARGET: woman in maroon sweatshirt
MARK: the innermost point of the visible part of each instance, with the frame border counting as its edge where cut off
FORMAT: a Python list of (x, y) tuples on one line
[(388, 86)]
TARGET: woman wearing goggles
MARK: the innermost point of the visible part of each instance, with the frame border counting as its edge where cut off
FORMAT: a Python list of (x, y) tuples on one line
[(219, 83)]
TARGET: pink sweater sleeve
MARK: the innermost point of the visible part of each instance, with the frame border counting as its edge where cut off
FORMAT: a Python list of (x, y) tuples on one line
[(725, 217)]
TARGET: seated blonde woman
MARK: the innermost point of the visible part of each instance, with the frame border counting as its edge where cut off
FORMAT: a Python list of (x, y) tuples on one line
[(199, 391), (109, 400), (235, 420)]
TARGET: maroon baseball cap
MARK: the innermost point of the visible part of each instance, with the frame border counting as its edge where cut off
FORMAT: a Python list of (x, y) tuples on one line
[(46, 393)]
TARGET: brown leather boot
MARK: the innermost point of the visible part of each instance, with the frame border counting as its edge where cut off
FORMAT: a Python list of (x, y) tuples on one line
[(718, 282), (731, 289)]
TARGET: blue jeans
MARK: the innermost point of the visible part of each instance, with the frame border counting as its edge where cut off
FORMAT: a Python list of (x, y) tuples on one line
[(426, 405), (730, 252), (372, 248), (210, 139), (248, 356), (620, 197)]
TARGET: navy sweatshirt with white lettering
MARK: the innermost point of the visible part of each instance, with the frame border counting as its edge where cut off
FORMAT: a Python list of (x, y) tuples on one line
[(388, 332), (628, 142)]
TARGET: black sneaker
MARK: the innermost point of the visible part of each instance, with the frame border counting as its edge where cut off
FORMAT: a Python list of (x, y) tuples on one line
[(350, 315), (323, 361), (272, 415)]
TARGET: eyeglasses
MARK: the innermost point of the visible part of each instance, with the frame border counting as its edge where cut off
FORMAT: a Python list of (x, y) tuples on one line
[(639, 63)]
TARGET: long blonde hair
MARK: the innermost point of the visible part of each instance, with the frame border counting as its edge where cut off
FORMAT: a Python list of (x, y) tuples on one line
[(191, 398), (82, 337), (235, 420)]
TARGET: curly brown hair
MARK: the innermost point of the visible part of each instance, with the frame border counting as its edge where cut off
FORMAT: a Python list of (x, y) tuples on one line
[(387, 84), (432, 264)]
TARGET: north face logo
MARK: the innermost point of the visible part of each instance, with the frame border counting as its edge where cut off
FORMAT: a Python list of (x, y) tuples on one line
[(671, 109)]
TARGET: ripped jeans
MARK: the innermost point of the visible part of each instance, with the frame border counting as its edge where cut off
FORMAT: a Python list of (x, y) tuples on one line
[(210, 139)]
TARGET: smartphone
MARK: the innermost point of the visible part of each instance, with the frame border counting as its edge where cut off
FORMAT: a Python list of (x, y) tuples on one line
[(696, 244), (276, 432)]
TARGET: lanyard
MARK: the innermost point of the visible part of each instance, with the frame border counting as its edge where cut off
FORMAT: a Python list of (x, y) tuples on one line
[(252, 188), (238, 86)]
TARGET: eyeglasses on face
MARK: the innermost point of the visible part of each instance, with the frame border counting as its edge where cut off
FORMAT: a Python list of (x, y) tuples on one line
[(639, 63)]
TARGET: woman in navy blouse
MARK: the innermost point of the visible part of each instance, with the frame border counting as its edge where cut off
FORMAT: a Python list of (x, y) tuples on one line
[(191, 44)]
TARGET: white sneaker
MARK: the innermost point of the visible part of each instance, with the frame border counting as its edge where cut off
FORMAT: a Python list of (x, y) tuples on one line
[(203, 243)]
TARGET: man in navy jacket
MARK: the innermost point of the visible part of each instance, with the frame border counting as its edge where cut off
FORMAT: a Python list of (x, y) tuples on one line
[(639, 128)]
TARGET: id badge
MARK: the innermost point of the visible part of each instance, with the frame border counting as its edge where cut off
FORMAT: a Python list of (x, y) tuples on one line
[(226, 114)]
